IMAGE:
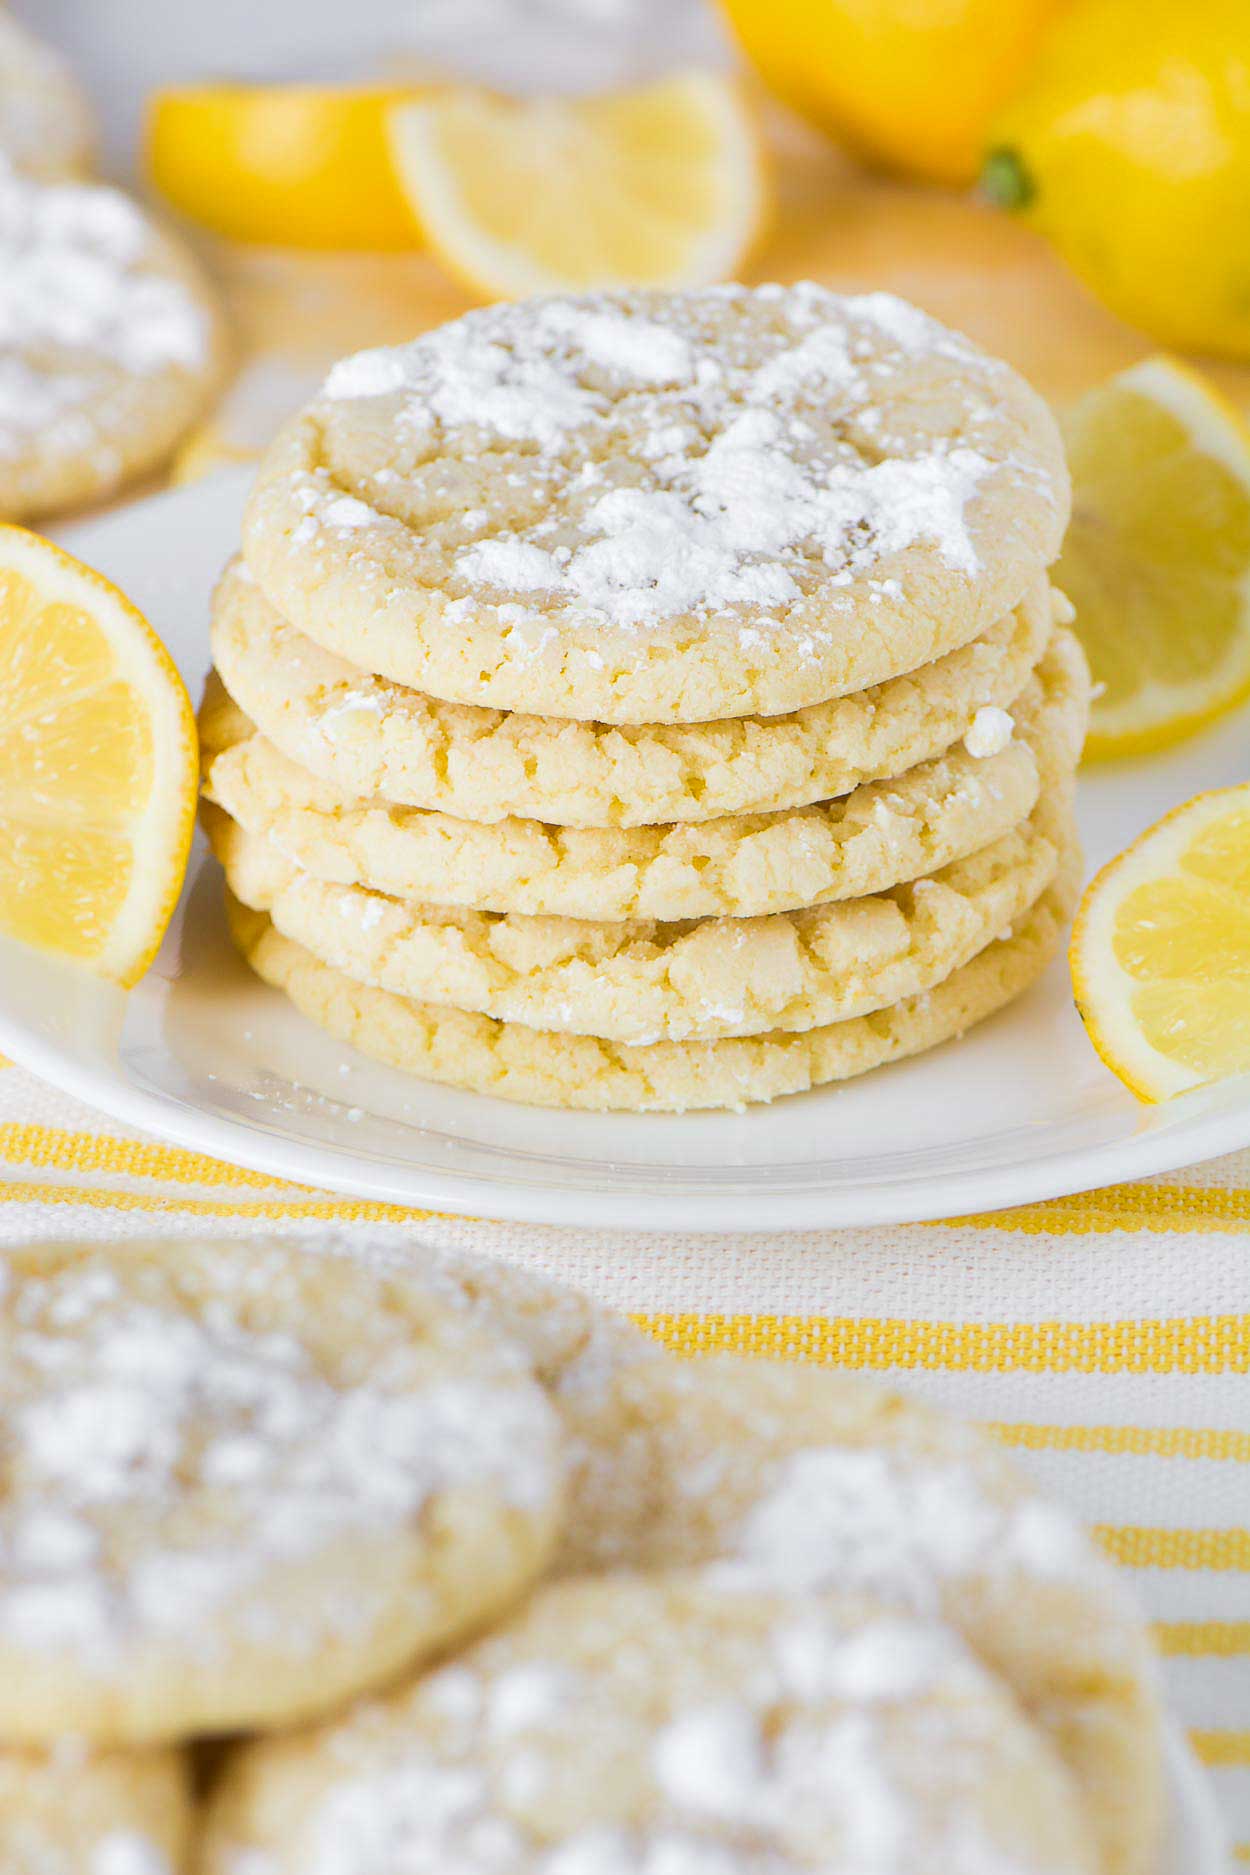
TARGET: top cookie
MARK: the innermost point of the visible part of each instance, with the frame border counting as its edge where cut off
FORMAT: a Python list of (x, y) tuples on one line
[(660, 508)]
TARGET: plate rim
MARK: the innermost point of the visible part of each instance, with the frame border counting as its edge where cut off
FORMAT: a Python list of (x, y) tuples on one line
[(1198, 1829), (325, 1167)]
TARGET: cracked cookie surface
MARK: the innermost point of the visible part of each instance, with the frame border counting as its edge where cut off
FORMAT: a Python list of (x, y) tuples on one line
[(646, 981), (110, 344), (367, 736), (485, 1056), (745, 866)]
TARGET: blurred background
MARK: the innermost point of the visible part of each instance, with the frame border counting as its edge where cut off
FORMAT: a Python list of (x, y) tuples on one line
[(1067, 180), (126, 48)]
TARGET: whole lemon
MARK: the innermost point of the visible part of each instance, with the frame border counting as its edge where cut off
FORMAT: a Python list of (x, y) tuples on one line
[(1129, 146), (911, 84)]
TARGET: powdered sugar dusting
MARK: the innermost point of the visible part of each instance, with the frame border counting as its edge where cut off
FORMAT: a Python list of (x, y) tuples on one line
[(889, 1658), (871, 1520), (122, 1852), (34, 402), (710, 1738), (346, 511), (635, 348), (710, 1761), (730, 451), (369, 1825), (160, 1459), (989, 732), (77, 292)]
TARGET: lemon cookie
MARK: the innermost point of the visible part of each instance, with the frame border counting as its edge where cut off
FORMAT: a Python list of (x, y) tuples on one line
[(368, 737), (109, 344), (667, 1727), (241, 1484), (576, 1346), (651, 508), (573, 1345), (644, 981), (546, 1070), (45, 121), (794, 1477), (70, 1811), (748, 865), (578, 1349)]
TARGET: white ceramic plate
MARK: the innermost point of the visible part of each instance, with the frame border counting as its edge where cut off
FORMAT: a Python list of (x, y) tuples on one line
[(1197, 1842), (201, 1053)]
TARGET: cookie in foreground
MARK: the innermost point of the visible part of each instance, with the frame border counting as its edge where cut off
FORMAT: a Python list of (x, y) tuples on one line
[(658, 1723), (242, 1483)]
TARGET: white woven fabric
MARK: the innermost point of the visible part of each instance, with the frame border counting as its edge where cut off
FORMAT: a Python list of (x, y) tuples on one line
[(1106, 1338)]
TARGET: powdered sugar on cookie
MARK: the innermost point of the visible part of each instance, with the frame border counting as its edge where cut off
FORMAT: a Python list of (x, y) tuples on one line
[(989, 732), (696, 1733), (78, 291), (743, 493), (783, 494), (167, 1448), (874, 1521), (122, 1852)]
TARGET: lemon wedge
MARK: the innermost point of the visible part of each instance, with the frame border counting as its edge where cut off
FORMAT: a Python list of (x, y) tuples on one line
[(1157, 558), (283, 165), (1160, 950), (98, 765), (662, 186)]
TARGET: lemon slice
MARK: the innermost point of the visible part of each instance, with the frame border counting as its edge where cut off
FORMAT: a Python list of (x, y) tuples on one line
[(98, 764), (1157, 559), (206, 451), (657, 187), (1160, 950), (287, 165)]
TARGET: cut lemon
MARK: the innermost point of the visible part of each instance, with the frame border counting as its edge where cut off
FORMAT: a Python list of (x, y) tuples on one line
[(98, 764), (1160, 951), (287, 165), (205, 452), (658, 187), (1157, 559)]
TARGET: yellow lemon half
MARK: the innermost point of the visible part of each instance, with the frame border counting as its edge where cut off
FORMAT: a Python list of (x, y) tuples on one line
[(662, 186), (283, 165), (1157, 558), (1160, 951), (98, 765)]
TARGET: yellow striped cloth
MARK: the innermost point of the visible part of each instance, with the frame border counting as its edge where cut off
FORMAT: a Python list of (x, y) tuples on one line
[(1105, 1338)]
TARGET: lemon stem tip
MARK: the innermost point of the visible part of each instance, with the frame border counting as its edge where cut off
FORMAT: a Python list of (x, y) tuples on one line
[(1005, 181)]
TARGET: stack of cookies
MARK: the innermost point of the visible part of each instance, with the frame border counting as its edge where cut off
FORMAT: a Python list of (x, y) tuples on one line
[(652, 702)]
